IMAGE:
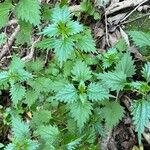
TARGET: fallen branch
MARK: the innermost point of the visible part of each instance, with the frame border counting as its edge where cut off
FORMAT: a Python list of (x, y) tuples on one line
[(9, 43), (123, 5), (30, 55), (142, 2)]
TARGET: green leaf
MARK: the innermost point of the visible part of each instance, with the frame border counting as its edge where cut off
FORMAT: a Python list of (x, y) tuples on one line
[(96, 92), (51, 30), (140, 38), (17, 92), (81, 72), (40, 84), (85, 43), (113, 80), (146, 71), (67, 94), (4, 12), (63, 49), (48, 133), (40, 117), (24, 35), (29, 11), (20, 129), (16, 64), (81, 112), (61, 14), (141, 115), (141, 86), (126, 65), (112, 113), (30, 97), (10, 146), (110, 57), (46, 44), (3, 76), (3, 38)]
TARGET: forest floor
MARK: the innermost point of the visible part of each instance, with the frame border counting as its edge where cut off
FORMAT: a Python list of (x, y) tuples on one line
[(117, 17)]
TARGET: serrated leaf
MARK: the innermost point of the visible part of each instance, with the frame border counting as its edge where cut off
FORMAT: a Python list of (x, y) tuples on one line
[(140, 38), (96, 92), (46, 44), (141, 114), (81, 72), (4, 12), (40, 84), (61, 14), (30, 97), (48, 133), (16, 64), (112, 113), (3, 76), (17, 92), (24, 35), (113, 80), (85, 43), (29, 11), (67, 94), (110, 57), (40, 117), (63, 49), (20, 129), (146, 71), (10, 146), (81, 112), (126, 65), (142, 87)]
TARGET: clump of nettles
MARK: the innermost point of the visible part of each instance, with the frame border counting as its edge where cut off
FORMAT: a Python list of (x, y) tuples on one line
[(76, 91), (65, 36)]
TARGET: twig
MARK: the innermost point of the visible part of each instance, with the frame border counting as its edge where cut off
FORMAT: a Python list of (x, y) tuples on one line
[(9, 43), (129, 21), (106, 30), (142, 2), (30, 55), (122, 5)]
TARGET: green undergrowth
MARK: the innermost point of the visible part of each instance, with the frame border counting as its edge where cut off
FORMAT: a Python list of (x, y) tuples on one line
[(72, 101)]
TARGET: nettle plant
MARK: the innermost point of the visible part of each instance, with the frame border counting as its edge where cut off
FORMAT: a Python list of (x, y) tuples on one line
[(74, 100)]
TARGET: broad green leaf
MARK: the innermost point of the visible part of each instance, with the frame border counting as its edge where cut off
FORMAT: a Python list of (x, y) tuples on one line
[(40, 117), (46, 44), (63, 49), (48, 133), (142, 87), (61, 14), (140, 38), (17, 92), (20, 129), (96, 92), (29, 11), (113, 80), (146, 71), (81, 112), (40, 84), (126, 65), (81, 72), (30, 97), (141, 114), (112, 113), (24, 35), (67, 94), (4, 12), (85, 43), (110, 57)]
